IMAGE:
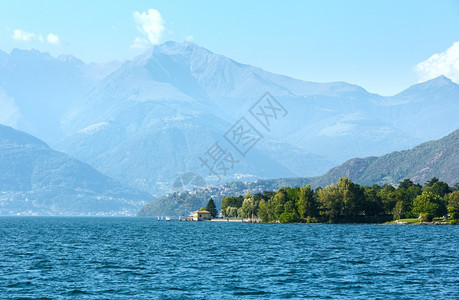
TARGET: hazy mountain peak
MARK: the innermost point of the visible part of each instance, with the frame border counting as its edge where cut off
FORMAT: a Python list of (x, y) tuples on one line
[(440, 89), (9, 135), (168, 48), (36, 180), (68, 58), (32, 53), (436, 83), (172, 47), (211, 75)]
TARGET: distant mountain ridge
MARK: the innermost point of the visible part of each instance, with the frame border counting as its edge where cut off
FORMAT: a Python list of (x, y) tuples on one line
[(43, 88), (149, 119), (159, 116), (36, 180), (153, 117), (439, 158), (182, 203)]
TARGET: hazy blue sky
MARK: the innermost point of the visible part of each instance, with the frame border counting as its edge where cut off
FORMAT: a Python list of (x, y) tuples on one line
[(375, 44)]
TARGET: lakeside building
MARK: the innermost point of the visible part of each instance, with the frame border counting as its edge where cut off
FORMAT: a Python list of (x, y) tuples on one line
[(202, 215)]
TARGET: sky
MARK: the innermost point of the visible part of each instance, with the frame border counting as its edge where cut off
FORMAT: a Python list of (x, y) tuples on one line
[(383, 46)]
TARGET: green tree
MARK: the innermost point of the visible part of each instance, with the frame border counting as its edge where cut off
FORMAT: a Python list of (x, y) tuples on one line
[(268, 195), (387, 194), (263, 211), (431, 182), (373, 205), (352, 196), (398, 211), (289, 217), (344, 200), (212, 208), (231, 212), (277, 203), (439, 188), (429, 205), (247, 194), (406, 192), (453, 204), (306, 204), (249, 207), (406, 183), (233, 201), (331, 201)]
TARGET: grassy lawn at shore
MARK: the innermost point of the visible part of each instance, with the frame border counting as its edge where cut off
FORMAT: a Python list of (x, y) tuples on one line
[(414, 221), (406, 221)]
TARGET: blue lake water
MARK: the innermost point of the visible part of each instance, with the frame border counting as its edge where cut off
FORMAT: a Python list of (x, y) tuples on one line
[(142, 258)]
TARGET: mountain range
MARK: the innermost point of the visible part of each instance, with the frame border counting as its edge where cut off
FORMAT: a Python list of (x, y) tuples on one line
[(438, 158), (36, 180), (146, 121), (36, 89)]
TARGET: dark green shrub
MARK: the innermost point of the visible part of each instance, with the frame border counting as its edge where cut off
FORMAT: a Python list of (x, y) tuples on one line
[(289, 217), (425, 217), (312, 220)]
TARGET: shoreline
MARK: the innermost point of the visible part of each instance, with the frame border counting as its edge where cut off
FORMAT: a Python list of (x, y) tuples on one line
[(395, 222)]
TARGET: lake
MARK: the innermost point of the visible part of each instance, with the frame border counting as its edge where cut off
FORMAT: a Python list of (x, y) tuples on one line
[(60, 257)]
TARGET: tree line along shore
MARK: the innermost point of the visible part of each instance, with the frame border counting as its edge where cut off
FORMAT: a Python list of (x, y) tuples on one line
[(347, 202)]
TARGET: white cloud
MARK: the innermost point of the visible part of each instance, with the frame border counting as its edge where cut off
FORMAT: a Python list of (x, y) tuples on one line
[(52, 39), (24, 36), (444, 63), (151, 24), (189, 38), (20, 35)]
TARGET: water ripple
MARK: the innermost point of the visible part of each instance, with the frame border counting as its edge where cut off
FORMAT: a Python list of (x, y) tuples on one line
[(141, 258)]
